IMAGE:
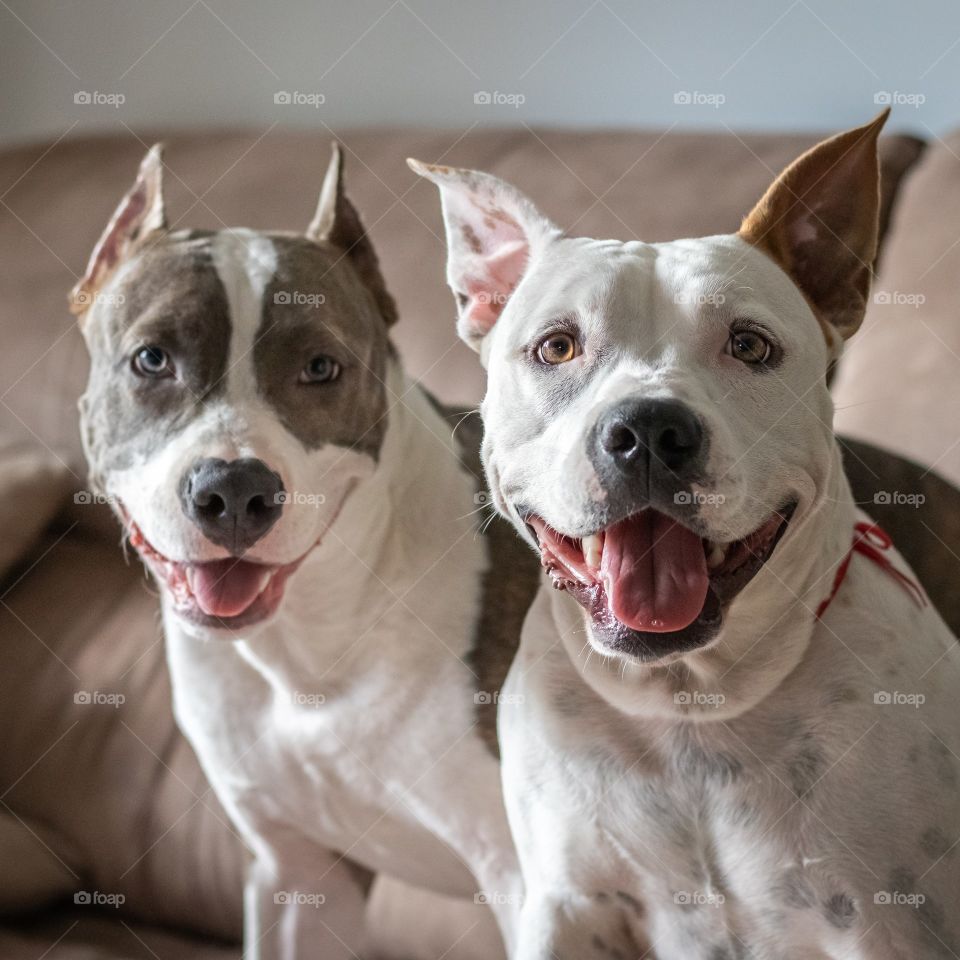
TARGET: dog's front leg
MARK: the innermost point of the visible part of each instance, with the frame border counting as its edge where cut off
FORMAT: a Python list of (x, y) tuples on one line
[(304, 903)]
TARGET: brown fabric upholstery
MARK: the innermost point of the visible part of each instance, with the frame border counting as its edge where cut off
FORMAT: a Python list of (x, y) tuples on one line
[(120, 798)]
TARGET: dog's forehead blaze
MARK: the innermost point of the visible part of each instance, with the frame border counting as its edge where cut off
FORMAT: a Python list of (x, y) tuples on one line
[(315, 304)]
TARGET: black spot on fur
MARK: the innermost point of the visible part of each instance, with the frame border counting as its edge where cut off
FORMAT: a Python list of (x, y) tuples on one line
[(943, 762), (840, 911), (631, 902), (806, 768), (935, 843)]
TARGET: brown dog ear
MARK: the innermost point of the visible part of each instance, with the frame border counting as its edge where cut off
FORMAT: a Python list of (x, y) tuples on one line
[(819, 222), (492, 229), (140, 213), (336, 221)]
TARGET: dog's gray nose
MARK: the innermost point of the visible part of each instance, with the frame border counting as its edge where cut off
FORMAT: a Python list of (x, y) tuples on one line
[(233, 502), (650, 441)]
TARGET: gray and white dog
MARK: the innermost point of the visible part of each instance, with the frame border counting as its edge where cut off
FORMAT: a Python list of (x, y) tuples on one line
[(740, 735), (305, 511)]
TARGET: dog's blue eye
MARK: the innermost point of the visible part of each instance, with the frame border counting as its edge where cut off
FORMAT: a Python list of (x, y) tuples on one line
[(321, 369), (152, 362)]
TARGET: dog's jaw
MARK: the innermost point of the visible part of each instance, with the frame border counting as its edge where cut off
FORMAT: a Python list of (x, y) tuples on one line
[(707, 577)]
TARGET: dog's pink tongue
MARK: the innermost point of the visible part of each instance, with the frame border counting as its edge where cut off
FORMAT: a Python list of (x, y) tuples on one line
[(225, 588), (654, 572)]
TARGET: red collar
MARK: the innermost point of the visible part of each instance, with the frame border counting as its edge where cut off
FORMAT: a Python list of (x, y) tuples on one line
[(873, 542)]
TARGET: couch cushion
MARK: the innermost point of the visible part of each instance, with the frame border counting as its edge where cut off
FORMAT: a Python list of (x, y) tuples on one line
[(898, 383), (33, 485), (57, 201)]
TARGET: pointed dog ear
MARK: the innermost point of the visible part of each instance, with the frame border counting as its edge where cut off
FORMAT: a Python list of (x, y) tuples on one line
[(140, 214), (337, 222), (819, 222), (492, 231)]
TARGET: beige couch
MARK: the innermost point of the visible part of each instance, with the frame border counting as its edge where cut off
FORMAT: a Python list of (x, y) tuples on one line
[(96, 798)]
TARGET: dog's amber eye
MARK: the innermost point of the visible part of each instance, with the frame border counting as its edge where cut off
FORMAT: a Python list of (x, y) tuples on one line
[(748, 346), (321, 369), (558, 348), (152, 362)]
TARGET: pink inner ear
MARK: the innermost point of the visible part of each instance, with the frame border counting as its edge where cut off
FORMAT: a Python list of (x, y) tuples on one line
[(490, 282), (121, 233)]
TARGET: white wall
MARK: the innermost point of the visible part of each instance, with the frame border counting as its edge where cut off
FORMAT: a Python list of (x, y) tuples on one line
[(793, 64)]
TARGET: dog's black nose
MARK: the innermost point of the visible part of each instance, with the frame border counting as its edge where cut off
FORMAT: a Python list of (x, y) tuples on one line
[(650, 441), (233, 502)]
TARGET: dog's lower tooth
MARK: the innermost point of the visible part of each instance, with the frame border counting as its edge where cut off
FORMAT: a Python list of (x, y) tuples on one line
[(264, 580), (592, 551), (717, 555)]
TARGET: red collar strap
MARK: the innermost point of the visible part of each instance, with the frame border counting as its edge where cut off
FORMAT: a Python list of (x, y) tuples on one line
[(873, 542)]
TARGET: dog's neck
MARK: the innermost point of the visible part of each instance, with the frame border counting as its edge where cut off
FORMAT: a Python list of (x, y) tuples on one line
[(766, 630), (398, 531)]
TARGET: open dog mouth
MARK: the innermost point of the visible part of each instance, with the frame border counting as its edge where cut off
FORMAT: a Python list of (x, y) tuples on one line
[(651, 585), (229, 594)]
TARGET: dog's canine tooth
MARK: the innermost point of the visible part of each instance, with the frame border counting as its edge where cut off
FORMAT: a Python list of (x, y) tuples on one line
[(264, 580), (191, 578), (717, 555), (593, 551)]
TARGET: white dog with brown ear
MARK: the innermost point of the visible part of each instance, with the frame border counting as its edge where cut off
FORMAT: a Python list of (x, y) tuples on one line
[(312, 528), (741, 724)]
